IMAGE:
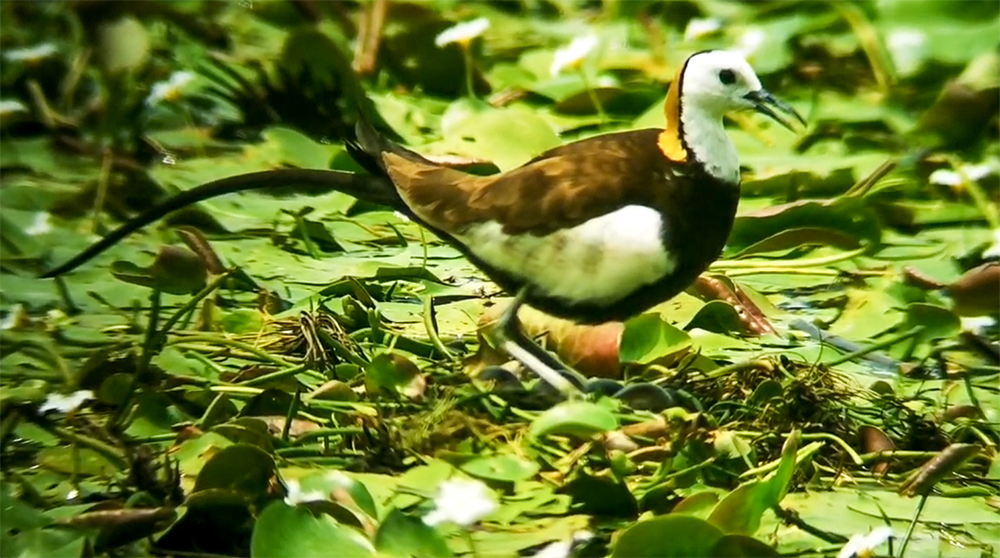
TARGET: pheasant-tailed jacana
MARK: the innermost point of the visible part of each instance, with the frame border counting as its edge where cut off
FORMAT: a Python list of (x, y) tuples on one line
[(597, 230)]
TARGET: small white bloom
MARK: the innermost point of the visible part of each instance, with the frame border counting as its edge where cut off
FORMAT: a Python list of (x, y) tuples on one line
[(31, 54), (562, 549), (401, 215), (40, 225), (993, 251), (65, 403), (297, 496), (169, 90), (462, 33), (462, 502), (14, 317), (750, 41), (11, 106), (979, 172), (701, 27), (945, 177), (863, 546), (572, 55), (976, 323), (907, 48)]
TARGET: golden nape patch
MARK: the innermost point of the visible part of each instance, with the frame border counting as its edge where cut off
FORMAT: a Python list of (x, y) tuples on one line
[(670, 144), (670, 139)]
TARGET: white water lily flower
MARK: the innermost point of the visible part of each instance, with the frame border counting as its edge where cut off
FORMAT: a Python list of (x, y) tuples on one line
[(863, 546), (462, 33), (40, 225), (563, 548), (32, 54), (169, 90), (907, 48), (993, 251), (462, 502), (297, 496), (65, 403), (11, 106), (701, 27), (750, 41), (572, 55)]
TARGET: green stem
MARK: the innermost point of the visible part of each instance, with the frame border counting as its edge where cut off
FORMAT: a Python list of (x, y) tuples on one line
[(593, 97), (149, 349), (913, 524), (724, 265), (220, 340), (190, 304), (877, 346), (428, 315), (467, 55)]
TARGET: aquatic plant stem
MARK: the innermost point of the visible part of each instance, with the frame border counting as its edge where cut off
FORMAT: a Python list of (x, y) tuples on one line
[(913, 525)]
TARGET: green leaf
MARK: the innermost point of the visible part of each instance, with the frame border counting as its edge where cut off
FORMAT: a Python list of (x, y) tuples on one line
[(294, 532), (667, 536), (239, 467), (573, 418), (648, 338), (403, 535), (502, 467)]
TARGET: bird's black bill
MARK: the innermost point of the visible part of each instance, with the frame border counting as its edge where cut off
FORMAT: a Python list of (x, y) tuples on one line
[(765, 103)]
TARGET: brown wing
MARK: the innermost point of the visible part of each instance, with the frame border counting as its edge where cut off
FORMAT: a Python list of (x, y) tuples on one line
[(562, 187)]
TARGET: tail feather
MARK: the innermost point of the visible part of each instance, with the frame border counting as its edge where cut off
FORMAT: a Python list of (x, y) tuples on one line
[(372, 188)]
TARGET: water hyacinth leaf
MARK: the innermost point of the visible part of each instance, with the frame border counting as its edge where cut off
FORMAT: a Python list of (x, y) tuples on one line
[(175, 270), (668, 536), (718, 317), (573, 418), (403, 535), (649, 338), (342, 488), (844, 217), (741, 510), (799, 237), (742, 546), (501, 467), (389, 372), (290, 531), (239, 467)]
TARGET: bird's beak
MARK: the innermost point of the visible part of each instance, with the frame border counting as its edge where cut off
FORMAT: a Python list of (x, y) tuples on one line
[(765, 103)]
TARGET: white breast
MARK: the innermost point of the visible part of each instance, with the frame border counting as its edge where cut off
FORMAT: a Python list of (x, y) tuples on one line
[(601, 260)]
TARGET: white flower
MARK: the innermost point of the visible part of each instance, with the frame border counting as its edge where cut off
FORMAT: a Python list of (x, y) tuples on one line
[(907, 48), (561, 549), (31, 54), (40, 225), (400, 215), (701, 27), (297, 496), (462, 33), (993, 251), (750, 41), (462, 502), (15, 316), (571, 56), (65, 403), (169, 90), (863, 546), (945, 177), (10, 106), (976, 323)]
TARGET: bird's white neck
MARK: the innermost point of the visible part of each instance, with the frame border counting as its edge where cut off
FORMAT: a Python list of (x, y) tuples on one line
[(706, 137)]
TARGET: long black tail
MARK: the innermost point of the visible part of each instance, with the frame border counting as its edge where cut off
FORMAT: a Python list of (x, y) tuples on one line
[(372, 188)]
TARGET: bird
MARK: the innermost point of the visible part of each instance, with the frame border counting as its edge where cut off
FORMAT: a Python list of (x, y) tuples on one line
[(597, 230)]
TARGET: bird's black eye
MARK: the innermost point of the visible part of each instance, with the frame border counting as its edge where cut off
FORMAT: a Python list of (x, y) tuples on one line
[(727, 77)]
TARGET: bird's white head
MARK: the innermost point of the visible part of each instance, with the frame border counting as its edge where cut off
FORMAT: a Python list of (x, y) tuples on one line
[(709, 85), (719, 81)]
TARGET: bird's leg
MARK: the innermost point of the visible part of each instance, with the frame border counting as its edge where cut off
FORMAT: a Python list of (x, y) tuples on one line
[(511, 339)]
